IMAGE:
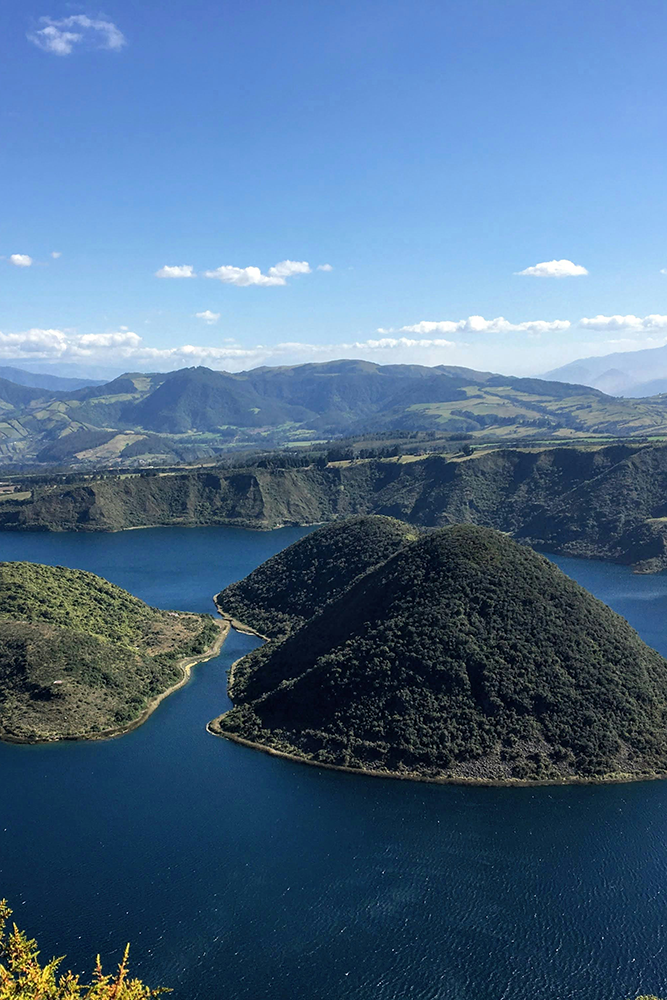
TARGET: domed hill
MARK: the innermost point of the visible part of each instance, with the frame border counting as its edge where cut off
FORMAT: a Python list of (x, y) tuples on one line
[(286, 590), (463, 656), (79, 656)]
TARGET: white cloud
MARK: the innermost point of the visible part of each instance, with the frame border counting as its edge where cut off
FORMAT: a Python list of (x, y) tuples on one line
[(57, 36), (55, 254), (477, 324), (21, 260), (286, 268), (208, 316), (389, 343), (429, 342), (176, 271), (639, 323), (243, 277), (56, 344), (554, 269), (324, 267), (125, 345), (33, 343), (124, 338), (663, 270)]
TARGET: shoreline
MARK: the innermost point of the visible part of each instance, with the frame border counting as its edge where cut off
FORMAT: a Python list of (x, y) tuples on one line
[(185, 666), (621, 778), (243, 629), (644, 567)]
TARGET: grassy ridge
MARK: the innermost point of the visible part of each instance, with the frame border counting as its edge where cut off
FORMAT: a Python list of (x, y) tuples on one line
[(605, 503), (463, 655), (80, 656)]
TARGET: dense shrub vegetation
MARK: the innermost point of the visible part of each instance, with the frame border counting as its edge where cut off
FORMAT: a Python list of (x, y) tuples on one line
[(79, 655), (23, 977), (289, 588), (464, 655)]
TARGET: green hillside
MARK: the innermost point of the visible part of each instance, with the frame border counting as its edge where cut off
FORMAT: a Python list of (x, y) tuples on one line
[(196, 413), (284, 592), (80, 656), (603, 503), (462, 656)]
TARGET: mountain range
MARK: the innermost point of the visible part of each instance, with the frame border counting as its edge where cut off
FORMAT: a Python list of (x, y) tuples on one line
[(626, 373), (44, 380), (196, 413)]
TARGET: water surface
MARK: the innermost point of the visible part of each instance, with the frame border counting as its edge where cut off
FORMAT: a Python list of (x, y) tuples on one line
[(245, 877)]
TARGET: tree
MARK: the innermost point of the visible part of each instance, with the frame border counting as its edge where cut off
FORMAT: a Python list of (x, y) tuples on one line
[(23, 977)]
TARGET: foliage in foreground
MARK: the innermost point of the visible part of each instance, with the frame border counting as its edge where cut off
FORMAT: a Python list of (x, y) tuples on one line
[(23, 977)]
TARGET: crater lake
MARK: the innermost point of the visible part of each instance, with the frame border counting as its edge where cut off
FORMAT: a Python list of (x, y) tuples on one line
[(240, 876)]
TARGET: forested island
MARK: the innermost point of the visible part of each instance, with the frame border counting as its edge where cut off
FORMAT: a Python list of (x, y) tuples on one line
[(80, 658), (602, 503), (458, 656)]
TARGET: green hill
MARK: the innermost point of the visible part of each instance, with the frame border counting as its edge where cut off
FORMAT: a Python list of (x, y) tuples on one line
[(79, 656), (287, 590), (463, 656), (184, 416)]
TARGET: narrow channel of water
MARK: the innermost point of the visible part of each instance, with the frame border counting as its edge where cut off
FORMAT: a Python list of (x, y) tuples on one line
[(243, 877)]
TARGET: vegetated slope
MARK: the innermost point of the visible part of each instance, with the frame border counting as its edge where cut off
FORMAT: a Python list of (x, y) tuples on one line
[(14, 396), (194, 413), (79, 655), (609, 503), (282, 593), (463, 656)]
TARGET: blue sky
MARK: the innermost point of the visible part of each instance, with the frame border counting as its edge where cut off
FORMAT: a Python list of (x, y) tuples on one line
[(426, 152)]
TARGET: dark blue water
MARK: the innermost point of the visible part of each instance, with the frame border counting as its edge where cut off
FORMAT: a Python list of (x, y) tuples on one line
[(237, 875)]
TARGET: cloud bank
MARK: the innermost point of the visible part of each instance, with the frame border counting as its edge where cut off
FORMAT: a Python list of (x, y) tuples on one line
[(477, 324), (554, 269), (416, 343), (640, 324), (61, 36)]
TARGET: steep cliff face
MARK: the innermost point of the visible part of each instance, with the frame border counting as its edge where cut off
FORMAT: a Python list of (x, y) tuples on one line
[(604, 504)]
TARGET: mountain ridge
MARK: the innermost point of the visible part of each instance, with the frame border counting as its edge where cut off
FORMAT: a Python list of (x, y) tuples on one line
[(195, 413), (632, 374)]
